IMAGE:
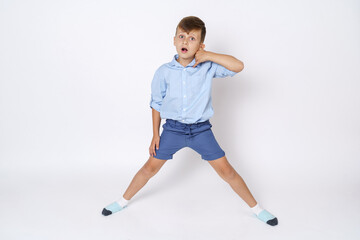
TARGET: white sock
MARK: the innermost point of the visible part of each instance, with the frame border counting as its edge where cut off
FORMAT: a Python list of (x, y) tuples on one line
[(122, 202), (257, 209)]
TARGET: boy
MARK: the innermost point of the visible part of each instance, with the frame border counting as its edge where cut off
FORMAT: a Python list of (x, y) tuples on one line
[(181, 94)]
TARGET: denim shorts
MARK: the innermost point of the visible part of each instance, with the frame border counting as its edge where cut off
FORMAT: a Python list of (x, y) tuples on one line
[(197, 136)]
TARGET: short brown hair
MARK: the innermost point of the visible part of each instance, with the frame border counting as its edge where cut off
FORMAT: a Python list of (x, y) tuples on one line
[(192, 23)]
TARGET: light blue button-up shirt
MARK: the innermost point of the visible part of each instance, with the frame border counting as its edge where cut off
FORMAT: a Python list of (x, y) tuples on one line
[(184, 93)]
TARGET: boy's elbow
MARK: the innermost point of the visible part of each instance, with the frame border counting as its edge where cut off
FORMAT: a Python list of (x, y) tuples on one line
[(240, 67)]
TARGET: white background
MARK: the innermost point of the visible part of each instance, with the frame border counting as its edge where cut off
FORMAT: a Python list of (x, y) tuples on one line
[(75, 121)]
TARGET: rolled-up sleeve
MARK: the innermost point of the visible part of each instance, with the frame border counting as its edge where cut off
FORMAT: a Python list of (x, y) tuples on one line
[(158, 90), (221, 71)]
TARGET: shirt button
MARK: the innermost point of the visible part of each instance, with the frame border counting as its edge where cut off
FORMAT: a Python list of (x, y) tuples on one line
[(184, 109), (184, 69), (184, 96), (184, 82)]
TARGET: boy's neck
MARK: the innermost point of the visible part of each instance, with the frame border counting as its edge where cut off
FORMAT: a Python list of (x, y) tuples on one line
[(184, 61)]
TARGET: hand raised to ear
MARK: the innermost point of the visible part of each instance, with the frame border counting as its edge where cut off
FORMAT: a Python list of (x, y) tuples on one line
[(200, 56)]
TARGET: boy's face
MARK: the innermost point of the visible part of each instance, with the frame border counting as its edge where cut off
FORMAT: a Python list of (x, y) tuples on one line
[(190, 41)]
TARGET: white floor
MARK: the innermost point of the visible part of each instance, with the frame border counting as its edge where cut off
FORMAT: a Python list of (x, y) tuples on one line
[(64, 204)]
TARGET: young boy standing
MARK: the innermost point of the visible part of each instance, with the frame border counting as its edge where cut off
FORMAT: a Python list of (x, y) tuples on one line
[(181, 94)]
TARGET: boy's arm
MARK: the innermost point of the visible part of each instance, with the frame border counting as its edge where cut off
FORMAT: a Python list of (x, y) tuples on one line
[(156, 122), (158, 91), (156, 138), (229, 62)]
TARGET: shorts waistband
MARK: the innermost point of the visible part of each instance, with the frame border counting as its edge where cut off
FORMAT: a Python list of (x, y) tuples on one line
[(187, 128), (177, 123)]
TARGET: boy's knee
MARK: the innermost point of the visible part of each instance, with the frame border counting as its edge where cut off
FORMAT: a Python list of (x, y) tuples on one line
[(228, 174), (149, 170)]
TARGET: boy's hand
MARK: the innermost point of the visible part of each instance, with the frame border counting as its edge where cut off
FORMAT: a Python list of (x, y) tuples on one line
[(201, 56), (154, 143)]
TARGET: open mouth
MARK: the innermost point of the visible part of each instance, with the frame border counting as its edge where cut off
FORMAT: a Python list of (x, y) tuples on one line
[(184, 50)]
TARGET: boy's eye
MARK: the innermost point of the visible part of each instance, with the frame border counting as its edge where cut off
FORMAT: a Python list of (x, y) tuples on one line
[(192, 38)]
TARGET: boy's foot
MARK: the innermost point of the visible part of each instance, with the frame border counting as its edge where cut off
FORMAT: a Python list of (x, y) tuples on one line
[(115, 207), (264, 215), (112, 208), (267, 217)]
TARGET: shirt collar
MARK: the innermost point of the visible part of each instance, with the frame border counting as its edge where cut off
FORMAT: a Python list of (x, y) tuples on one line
[(178, 65)]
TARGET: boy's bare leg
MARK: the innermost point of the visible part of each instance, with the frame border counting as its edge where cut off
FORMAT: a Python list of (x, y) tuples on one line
[(150, 168), (228, 173)]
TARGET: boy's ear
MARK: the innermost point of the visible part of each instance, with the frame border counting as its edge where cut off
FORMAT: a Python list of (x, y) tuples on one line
[(202, 46)]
